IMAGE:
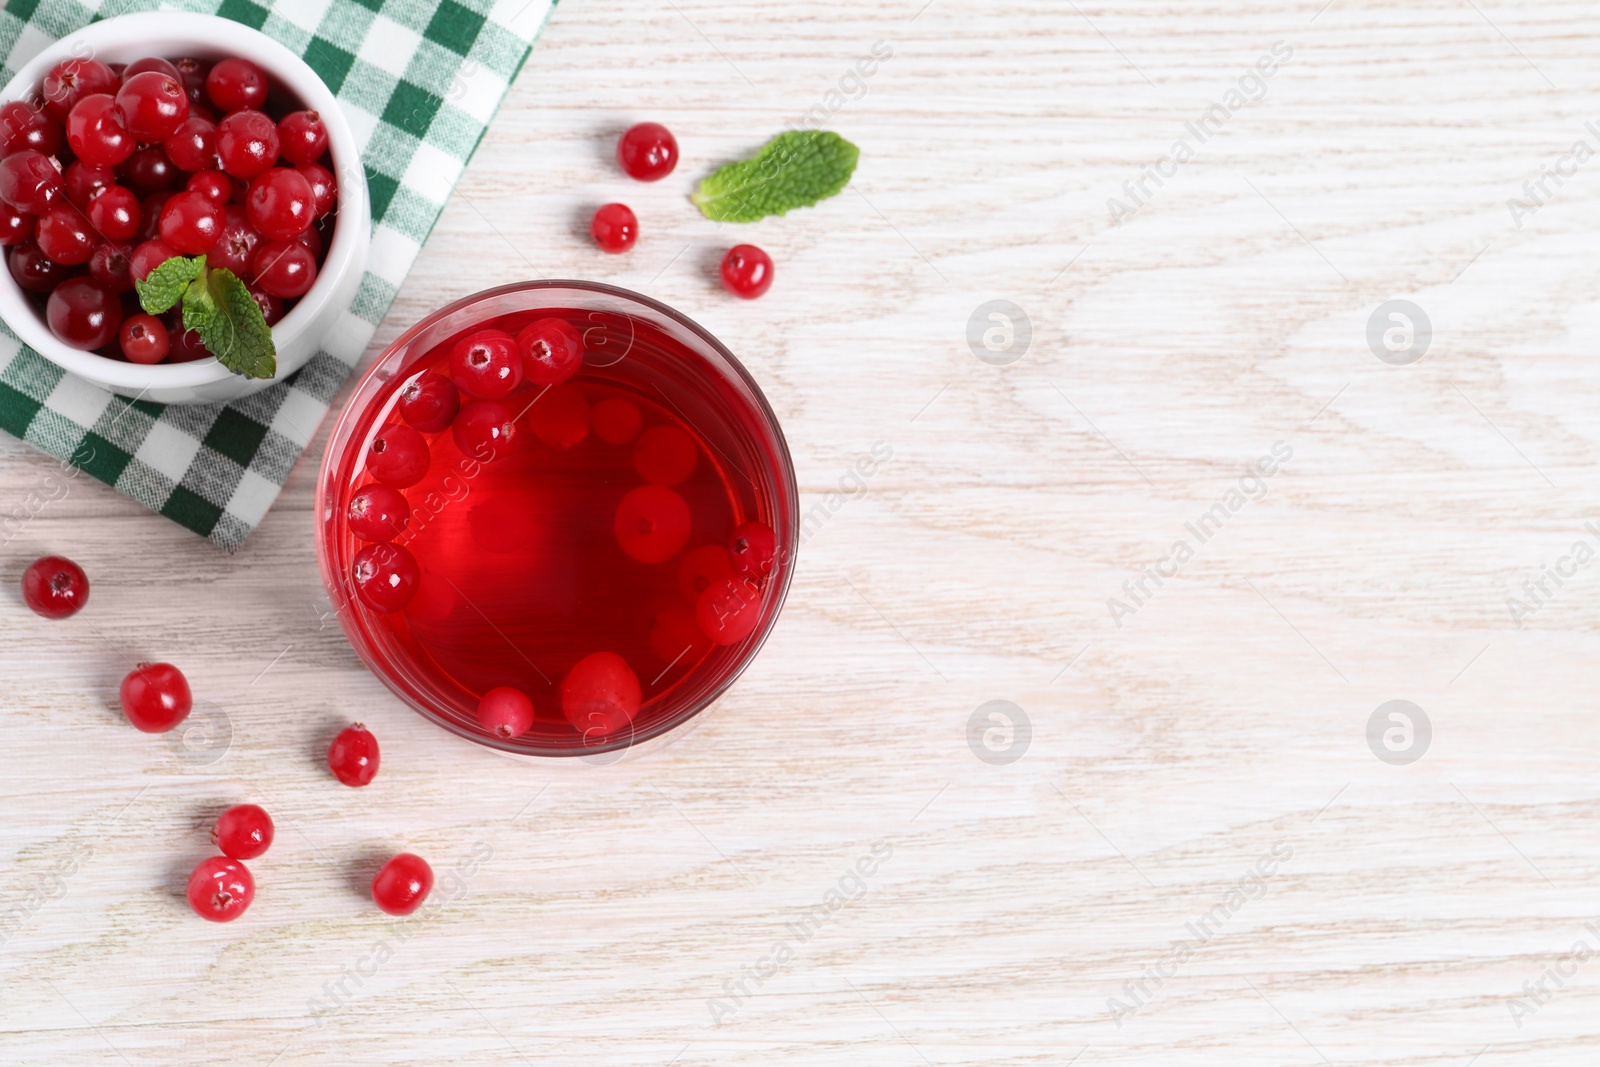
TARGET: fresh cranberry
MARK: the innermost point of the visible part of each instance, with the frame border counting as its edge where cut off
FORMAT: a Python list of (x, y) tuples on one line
[(15, 227), (24, 126), (193, 145), (29, 181), (560, 416), (83, 313), (150, 209), (377, 512), (484, 429), (149, 170), (153, 104), (753, 549), (150, 63), (617, 421), (33, 270), (746, 271), (702, 568), (647, 152), (236, 83), (84, 181), (283, 268), (614, 228), (236, 244), (271, 307), (214, 185), (676, 637), (144, 339), (147, 257), (220, 889), (398, 456), (187, 345), (552, 351), (64, 234), (108, 265), (323, 187), (729, 610), (652, 523), (247, 143), (114, 214), (312, 241), (302, 137), (486, 364), (191, 223), (353, 755), (665, 455), (193, 72), (402, 884), (280, 204), (600, 695), (429, 402), (505, 712), (243, 832), (96, 133), (155, 697), (55, 587), (71, 80)]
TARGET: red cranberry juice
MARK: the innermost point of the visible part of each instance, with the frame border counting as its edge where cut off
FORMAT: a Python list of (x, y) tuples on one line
[(600, 526)]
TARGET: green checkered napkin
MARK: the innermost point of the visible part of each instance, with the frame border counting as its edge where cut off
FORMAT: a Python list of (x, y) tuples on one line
[(418, 82)]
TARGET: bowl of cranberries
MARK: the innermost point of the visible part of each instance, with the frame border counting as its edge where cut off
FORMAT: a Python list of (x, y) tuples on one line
[(183, 210)]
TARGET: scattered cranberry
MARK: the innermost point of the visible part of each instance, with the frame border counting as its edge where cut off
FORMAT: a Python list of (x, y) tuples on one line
[(302, 138), (665, 455), (353, 756), (114, 214), (64, 235), (70, 81), (236, 83), (220, 889), (84, 181), (193, 145), (728, 611), (486, 364), (617, 421), (33, 270), (191, 223), (552, 351), (243, 832), (144, 339), (402, 884), (96, 133), (614, 228), (323, 186), (15, 227), (24, 126), (147, 256), (386, 577), (280, 204), (153, 104), (600, 694), (753, 549), (647, 152), (560, 416), (214, 185), (283, 268), (29, 181), (702, 568), (505, 712), (247, 143), (109, 266), (429, 402), (652, 523), (398, 456), (83, 313), (55, 587), (746, 271), (378, 512), (483, 429), (155, 697)]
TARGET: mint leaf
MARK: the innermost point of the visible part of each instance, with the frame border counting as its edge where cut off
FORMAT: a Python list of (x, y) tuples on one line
[(164, 285), (230, 323), (795, 169)]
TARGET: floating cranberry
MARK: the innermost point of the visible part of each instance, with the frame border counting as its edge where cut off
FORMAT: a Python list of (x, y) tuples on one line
[(616, 421), (83, 313), (153, 104), (353, 756), (486, 364), (560, 416), (429, 402), (302, 137), (729, 610), (753, 549), (377, 512), (483, 429), (243, 832), (96, 133), (247, 143), (552, 351), (652, 523), (220, 889), (55, 587), (283, 268), (72, 80), (155, 697), (280, 204), (386, 577), (505, 712), (398, 456), (114, 214), (144, 339), (402, 884), (665, 455), (647, 151), (746, 271), (600, 695), (29, 181), (235, 83), (614, 228)]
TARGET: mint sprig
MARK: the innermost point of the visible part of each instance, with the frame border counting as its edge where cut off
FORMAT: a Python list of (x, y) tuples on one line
[(218, 306), (797, 168)]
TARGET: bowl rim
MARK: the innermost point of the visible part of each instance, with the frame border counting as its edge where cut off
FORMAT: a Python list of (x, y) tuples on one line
[(211, 33), (786, 486)]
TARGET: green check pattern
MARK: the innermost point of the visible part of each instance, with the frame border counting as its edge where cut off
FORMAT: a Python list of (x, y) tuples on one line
[(418, 81)]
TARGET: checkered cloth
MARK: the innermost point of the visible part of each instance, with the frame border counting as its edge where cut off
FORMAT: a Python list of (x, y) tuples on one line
[(418, 81)]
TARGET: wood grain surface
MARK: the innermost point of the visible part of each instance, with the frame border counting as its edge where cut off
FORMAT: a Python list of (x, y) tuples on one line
[(1199, 857)]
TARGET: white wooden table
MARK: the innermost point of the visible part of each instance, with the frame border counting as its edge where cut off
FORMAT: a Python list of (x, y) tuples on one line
[(1020, 913)]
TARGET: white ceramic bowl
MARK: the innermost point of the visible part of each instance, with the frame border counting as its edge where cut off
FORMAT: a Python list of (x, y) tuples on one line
[(170, 35)]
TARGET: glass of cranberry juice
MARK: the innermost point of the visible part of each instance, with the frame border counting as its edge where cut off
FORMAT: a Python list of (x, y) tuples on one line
[(633, 525)]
